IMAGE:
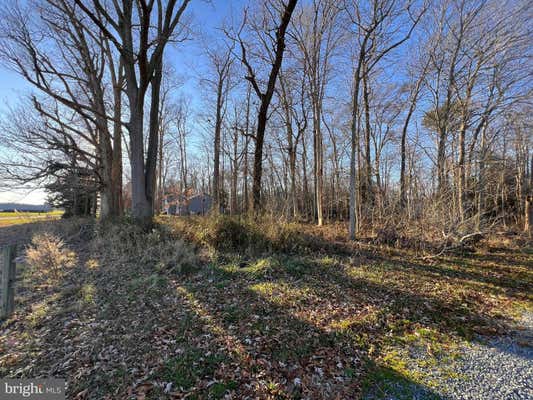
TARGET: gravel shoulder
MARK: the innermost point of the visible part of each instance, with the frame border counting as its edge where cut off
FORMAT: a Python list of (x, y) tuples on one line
[(493, 369), (497, 368)]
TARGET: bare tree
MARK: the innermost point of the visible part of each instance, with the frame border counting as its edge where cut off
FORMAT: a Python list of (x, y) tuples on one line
[(414, 92), (222, 60), (140, 30), (377, 35), (275, 44), (294, 108), (67, 62), (317, 33)]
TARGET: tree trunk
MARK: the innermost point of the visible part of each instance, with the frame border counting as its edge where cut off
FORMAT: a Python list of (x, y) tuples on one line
[(258, 156), (318, 162), (141, 207), (266, 98), (140, 204), (441, 162), (234, 174), (216, 156), (159, 199), (528, 216), (116, 183), (403, 150), (353, 153), (481, 181), (153, 137), (462, 177), (368, 163), (305, 180), (291, 150), (246, 199)]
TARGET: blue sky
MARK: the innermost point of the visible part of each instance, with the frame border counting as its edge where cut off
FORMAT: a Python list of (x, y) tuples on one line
[(188, 62), (12, 87), (186, 59)]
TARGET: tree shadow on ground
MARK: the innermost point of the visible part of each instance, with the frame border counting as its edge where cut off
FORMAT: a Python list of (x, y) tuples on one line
[(287, 327), (22, 234), (214, 327), (513, 281), (518, 344), (388, 384), (500, 258), (297, 321), (327, 363)]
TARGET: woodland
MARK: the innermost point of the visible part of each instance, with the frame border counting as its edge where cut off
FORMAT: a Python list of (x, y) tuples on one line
[(369, 171)]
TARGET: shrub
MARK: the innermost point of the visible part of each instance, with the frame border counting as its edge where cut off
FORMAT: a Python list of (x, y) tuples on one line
[(48, 256), (230, 234)]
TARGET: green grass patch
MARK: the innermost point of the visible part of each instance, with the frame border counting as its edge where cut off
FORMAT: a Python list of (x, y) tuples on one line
[(383, 383), (191, 365), (219, 389)]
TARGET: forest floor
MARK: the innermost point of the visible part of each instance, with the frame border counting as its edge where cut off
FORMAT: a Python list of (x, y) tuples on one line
[(146, 316)]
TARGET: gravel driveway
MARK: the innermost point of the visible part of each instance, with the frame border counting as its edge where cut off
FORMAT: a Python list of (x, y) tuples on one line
[(499, 368), (488, 369)]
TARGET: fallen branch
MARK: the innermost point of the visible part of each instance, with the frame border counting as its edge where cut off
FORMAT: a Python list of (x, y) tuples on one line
[(466, 240)]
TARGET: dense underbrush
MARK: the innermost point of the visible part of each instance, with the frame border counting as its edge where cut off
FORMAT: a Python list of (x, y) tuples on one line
[(250, 236), (126, 242)]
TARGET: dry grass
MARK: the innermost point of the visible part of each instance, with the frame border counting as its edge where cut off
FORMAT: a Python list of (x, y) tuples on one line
[(250, 236), (126, 242), (260, 317)]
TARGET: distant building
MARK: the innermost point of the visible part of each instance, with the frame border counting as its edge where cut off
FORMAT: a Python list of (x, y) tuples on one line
[(173, 204), (199, 204)]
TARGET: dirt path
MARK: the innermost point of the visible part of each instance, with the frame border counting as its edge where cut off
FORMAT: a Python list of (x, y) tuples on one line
[(22, 233), (18, 234)]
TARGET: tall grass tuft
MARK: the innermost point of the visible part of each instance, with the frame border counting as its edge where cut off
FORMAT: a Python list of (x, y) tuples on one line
[(126, 242)]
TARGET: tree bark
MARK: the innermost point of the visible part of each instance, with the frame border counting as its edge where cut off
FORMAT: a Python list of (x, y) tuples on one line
[(353, 148), (369, 197), (461, 187), (216, 155), (528, 217)]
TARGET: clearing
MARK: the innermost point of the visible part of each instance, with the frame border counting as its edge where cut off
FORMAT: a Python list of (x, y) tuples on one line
[(293, 312)]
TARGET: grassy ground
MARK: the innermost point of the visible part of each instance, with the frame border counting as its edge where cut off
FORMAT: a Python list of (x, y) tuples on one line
[(134, 315), (15, 218)]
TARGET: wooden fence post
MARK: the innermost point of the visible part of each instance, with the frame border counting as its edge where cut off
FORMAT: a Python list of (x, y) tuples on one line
[(7, 293)]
